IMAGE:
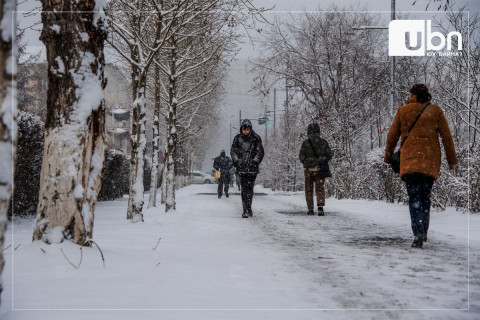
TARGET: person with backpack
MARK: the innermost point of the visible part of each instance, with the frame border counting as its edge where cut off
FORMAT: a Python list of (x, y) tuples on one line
[(223, 164), (247, 154), (419, 123), (314, 155)]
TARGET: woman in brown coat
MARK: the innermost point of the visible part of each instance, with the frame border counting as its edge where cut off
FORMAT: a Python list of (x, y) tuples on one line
[(420, 155)]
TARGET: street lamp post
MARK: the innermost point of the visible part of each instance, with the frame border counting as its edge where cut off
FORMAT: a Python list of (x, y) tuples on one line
[(231, 127), (392, 64)]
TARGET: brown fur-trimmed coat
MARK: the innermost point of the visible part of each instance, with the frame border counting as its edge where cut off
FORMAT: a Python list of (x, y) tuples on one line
[(421, 151)]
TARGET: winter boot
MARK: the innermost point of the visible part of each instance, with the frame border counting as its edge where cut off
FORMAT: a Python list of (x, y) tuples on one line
[(320, 211), (245, 214), (425, 237), (310, 213), (418, 242), (226, 194), (219, 196), (250, 213)]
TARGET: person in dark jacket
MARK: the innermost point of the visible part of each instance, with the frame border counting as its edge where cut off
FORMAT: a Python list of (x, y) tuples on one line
[(247, 154), (420, 156), (313, 150), (223, 164)]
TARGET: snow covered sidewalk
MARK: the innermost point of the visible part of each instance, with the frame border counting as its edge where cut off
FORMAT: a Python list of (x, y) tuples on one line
[(205, 262)]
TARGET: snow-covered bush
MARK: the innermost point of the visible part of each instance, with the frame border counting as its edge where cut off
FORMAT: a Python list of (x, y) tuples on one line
[(115, 177), (28, 166), (281, 169), (147, 178), (366, 178), (451, 188)]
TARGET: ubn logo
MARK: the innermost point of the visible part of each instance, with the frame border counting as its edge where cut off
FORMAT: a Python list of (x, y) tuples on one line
[(414, 38)]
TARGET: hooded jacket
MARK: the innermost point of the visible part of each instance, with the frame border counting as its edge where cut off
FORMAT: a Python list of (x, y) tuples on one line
[(224, 164), (322, 148), (247, 150), (421, 151)]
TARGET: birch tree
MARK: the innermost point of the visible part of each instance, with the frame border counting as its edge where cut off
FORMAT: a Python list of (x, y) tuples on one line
[(201, 39), (152, 200), (8, 135), (140, 29), (73, 33)]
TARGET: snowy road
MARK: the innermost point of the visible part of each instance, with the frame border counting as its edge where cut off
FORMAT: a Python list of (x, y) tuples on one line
[(205, 262)]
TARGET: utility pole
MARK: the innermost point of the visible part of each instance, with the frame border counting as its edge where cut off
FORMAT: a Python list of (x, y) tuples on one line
[(274, 107), (286, 96), (266, 133), (392, 70)]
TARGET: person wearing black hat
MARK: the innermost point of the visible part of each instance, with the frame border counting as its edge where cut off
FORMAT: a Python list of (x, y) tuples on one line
[(247, 154), (223, 164)]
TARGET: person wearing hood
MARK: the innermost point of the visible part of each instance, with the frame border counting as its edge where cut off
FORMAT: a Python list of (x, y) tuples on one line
[(420, 157), (223, 164), (314, 152), (247, 154)]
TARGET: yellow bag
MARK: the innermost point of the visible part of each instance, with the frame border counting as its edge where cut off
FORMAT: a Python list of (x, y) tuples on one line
[(217, 174)]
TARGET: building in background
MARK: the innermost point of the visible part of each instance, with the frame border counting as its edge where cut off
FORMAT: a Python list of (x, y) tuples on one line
[(117, 110)]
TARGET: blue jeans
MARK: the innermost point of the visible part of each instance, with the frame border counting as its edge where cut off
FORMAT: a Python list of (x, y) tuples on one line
[(419, 189)]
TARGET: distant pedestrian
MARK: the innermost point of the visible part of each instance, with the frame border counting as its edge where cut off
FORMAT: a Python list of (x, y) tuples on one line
[(420, 156), (223, 164), (314, 155), (247, 154)]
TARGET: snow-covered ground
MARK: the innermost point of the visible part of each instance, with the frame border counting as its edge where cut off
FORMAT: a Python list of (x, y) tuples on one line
[(205, 262)]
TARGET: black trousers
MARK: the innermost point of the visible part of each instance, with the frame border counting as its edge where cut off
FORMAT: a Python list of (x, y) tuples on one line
[(223, 183), (247, 181), (419, 189)]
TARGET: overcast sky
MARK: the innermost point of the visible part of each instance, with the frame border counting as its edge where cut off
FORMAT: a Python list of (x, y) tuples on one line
[(295, 5), (377, 5)]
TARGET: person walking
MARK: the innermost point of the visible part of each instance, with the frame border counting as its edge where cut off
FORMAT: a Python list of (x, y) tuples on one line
[(314, 155), (223, 164), (420, 156), (247, 154)]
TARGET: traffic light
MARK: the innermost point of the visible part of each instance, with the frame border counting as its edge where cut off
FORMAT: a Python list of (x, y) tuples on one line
[(263, 120)]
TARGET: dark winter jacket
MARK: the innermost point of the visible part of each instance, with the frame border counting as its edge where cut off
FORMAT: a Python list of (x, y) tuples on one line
[(223, 164), (421, 152), (306, 155), (247, 150)]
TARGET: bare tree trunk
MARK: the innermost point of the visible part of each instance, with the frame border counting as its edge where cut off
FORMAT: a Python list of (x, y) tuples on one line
[(152, 201), (74, 34), (138, 142), (163, 198), (8, 135), (171, 130)]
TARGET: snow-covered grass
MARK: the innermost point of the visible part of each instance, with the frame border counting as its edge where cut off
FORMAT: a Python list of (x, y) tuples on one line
[(204, 261)]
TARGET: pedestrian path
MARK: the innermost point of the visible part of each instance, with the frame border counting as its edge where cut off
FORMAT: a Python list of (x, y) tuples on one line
[(204, 261)]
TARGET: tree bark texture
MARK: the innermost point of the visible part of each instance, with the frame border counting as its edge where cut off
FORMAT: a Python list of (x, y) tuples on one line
[(138, 141), (171, 130), (8, 136), (74, 34), (152, 201)]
